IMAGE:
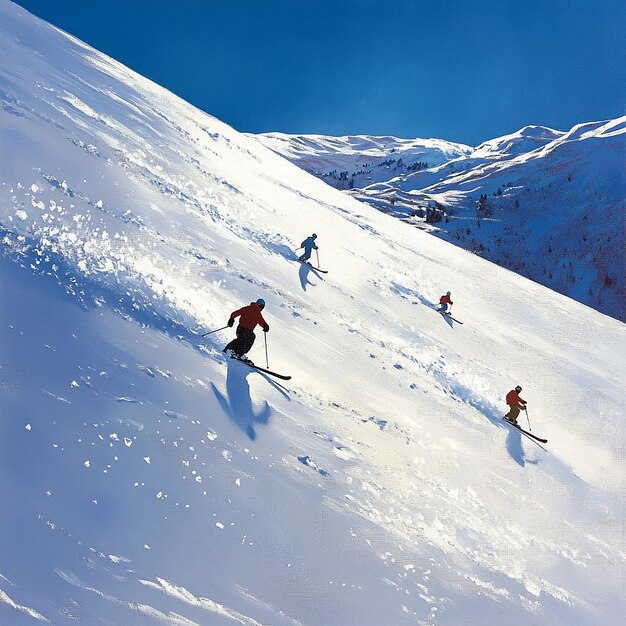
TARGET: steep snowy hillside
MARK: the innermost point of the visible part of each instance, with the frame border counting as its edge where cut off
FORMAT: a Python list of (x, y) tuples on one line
[(554, 207), (357, 161), (145, 479)]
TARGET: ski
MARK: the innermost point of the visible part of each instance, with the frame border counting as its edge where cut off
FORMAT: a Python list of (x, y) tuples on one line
[(450, 316), (262, 369), (525, 432), (317, 269)]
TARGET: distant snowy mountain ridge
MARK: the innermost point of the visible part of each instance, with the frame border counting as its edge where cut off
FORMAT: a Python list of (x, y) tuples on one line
[(356, 161), (554, 202)]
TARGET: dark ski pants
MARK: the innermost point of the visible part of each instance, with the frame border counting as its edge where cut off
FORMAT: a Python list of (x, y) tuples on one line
[(307, 254), (244, 341)]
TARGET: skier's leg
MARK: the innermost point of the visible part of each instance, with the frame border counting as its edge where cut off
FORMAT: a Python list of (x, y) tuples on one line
[(230, 346), (237, 345), (511, 416), (247, 340)]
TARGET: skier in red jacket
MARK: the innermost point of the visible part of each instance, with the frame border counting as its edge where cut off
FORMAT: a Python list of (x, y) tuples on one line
[(516, 404), (249, 317), (444, 301)]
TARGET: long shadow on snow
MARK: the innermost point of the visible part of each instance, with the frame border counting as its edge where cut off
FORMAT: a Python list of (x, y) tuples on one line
[(513, 438), (514, 448), (238, 404), (449, 321), (303, 272)]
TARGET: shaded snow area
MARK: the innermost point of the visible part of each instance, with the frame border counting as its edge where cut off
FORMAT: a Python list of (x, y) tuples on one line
[(553, 202), (147, 480)]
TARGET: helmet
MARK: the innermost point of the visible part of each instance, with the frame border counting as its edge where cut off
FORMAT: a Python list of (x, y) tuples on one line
[(261, 302), (448, 293), (518, 389), (314, 236)]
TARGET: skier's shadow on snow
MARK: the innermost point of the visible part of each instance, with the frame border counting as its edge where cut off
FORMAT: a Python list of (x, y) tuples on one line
[(513, 439), (448, 320), (238, 403), (514, 447), (304, 275)]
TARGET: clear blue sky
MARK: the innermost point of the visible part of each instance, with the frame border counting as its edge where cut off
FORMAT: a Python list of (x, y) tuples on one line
[(464, 70)]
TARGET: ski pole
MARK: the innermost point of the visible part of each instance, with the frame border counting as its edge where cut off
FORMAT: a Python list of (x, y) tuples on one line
[(528, 418), (318, 258), (267, 361), (214, 331)]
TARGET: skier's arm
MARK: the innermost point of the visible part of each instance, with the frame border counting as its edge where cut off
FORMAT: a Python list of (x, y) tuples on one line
[(264, 325), (233, 315)]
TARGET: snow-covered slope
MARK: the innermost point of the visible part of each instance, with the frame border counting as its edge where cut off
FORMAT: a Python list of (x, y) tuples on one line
[(144, 480), (556, 203), (524, 140), (356, 161), (554, 214)]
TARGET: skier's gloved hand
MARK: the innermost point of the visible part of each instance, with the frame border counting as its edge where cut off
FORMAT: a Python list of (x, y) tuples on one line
[(266, 328), (230, 322)]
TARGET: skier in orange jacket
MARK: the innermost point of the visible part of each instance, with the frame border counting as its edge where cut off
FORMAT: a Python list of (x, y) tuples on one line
[(249, 317), (516, 404), (444, 301)]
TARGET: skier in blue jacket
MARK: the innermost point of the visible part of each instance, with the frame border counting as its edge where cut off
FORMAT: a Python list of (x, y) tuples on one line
[(309, 245)]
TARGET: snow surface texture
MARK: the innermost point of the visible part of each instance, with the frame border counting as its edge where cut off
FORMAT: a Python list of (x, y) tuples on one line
[(147, 480), (555, 201)]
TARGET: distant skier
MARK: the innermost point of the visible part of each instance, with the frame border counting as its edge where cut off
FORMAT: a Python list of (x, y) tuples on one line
[(309, 245), (444, 301), (516, 404), (249, 317)]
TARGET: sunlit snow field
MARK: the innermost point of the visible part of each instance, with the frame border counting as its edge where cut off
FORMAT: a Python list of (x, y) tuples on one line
[(147, 480)]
